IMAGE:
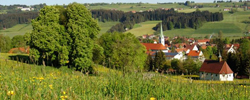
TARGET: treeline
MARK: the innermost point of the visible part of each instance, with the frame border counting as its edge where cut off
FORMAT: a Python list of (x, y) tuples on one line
[(170, 18), (191, 20), (6, 43), (10, 20)]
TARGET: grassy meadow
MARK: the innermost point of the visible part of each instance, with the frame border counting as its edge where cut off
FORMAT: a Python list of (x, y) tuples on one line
[(27, 81), (19, 29), (231, 26)]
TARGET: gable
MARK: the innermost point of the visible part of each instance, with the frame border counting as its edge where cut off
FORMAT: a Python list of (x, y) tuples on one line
[(213, 66), (152, 46)]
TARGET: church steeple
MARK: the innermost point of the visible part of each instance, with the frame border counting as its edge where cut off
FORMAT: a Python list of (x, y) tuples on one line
[(161, 39)]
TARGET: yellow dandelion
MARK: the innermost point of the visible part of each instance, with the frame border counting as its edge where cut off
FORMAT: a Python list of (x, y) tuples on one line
[(245, 86), (152, 98), (51, 86), (10, 93), (64, 92)]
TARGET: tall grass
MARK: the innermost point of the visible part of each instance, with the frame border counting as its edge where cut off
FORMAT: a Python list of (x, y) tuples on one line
[(38, 82)]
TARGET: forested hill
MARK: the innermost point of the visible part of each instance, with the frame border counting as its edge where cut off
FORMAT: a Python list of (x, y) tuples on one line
[(10, 20), (171, 19)]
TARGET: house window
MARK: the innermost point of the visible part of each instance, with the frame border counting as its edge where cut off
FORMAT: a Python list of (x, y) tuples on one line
[(201, 72), (215, 74), (229, 75)]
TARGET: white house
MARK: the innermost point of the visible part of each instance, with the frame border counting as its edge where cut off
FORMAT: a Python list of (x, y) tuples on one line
[(231, 49), (216, 70), (171, 56), (191, 48)]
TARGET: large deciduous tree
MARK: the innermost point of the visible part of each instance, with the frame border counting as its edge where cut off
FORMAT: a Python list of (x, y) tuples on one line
[(82, 29), (60, 35), (123, 51)]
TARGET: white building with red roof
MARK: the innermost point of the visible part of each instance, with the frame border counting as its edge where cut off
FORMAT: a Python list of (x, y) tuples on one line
[(216, 70)]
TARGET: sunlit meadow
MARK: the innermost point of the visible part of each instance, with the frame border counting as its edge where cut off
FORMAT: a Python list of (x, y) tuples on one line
[(20, 81)]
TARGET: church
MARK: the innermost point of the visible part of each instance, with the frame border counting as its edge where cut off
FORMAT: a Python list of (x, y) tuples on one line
[(154, 47)]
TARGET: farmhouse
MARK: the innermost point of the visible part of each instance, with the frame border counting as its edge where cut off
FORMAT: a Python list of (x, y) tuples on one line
[(231, 48), (203, 42), (216, 70)]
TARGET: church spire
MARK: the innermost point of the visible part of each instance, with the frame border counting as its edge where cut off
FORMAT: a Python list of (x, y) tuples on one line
[(162, 39), (220, 57)]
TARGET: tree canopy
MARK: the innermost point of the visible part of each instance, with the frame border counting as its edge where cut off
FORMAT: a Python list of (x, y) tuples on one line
[(123, 51), (63, 35)]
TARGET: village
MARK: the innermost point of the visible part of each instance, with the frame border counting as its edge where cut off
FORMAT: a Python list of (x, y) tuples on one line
[(191, 48)]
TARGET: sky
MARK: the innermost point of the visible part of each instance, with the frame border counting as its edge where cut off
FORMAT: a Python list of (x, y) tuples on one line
[(61, 2)]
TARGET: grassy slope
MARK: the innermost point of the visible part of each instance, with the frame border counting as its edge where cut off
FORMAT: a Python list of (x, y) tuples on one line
[(143, 28), (231, 26), (38, 82), (105, 27), (19, 29)]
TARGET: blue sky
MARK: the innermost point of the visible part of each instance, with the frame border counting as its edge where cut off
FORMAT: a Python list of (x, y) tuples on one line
[(60, 2)]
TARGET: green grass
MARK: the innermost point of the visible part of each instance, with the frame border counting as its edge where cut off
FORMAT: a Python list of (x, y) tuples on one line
[(231, 26), (105, 27), (143, 28), (135, 7), (38, 82), (19, 29)]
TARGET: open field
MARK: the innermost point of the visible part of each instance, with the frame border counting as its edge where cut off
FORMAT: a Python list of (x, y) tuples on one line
[(27, 81), (231, 26), (19, 29), (105, 27), (143, 28)]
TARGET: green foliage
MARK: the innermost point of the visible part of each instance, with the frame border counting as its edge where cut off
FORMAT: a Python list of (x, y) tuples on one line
[(82, 29), (244, 46), (149, 63), (18, 41), (98, 55), (159, 60), (123, 51), (170, 25), (5, 43), (191, 67), (177, 65), (60, 35)]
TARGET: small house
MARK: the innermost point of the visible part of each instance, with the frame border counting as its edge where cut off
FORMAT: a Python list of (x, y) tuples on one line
[(216, 70)]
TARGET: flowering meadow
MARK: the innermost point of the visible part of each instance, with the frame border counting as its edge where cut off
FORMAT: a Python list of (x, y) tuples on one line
[(20, 81)]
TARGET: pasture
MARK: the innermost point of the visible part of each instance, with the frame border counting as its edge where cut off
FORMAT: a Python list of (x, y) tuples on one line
[(28, 81), (231, 27), (19, 29)]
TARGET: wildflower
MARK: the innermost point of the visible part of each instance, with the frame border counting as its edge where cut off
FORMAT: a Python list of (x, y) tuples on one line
[(64, 97), (245, 86), (152, 98), (10, 93), (51, 86), (64, 92)]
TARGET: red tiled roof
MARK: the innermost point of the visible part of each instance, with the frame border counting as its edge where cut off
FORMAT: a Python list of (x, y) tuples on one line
[(181, 50), (212, 66), (204, 40), (21, 49), (150, 52), (193, 53), (152, 46), (180, 44), (204, 47), (190, 46)]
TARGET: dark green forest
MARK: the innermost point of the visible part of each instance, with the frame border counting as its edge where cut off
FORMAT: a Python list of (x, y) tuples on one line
[(170, 18)]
